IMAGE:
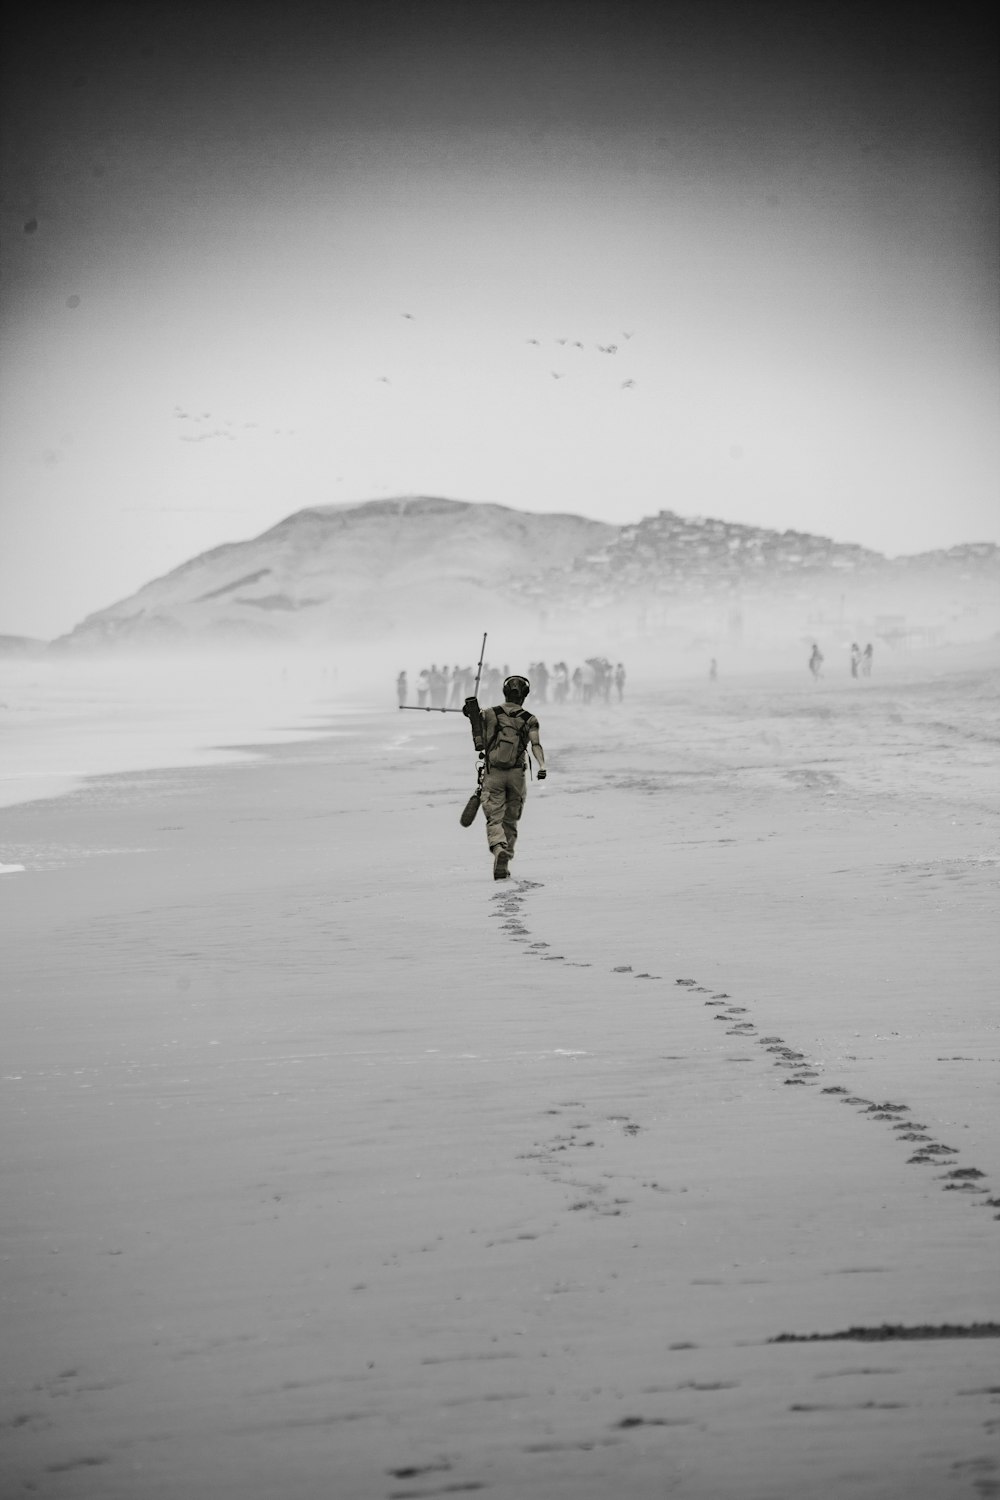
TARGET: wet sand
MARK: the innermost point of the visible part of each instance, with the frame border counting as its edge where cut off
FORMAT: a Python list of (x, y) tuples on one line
[(334, 1168)]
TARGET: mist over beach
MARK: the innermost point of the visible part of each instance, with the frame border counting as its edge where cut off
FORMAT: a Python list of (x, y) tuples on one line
[(633, 1134)]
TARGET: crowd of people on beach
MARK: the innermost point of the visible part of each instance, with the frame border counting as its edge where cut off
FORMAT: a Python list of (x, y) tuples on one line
[(595, 680), (861, 661)]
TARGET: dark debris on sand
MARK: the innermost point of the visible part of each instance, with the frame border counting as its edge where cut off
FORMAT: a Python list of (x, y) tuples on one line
[(889, 1331)]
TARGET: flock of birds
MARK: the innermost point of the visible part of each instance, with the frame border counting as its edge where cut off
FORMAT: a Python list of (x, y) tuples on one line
[(228, 430), (625, 385)]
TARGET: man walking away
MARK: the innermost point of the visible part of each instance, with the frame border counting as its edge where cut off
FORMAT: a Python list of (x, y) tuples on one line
[(508, 730), (402, 691)]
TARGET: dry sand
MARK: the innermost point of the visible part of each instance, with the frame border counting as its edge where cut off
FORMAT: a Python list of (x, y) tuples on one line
[(335, 1169)]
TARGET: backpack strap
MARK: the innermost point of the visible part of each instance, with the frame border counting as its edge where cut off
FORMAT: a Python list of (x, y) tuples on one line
[(496, 732), (488, 746)]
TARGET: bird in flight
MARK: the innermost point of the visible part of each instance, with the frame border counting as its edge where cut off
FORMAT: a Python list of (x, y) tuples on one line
[(577, 344), (407, 315), (533, 341), (608, 348), (627, 385), (561, 341), (384, 379), (626, 335), (557, 374)]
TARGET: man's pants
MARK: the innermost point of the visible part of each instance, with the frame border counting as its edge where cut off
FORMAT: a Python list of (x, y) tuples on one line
[(503, 800)]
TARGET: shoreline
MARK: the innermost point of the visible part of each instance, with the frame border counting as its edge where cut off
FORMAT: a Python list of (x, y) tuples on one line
[(63, 727)]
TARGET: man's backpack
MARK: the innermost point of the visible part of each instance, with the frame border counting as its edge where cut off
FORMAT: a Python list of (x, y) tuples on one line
[(509, 741)]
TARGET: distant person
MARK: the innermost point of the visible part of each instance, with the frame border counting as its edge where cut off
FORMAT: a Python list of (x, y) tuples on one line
[(560, 691), (620, 681), (713, 670), (855, 658), (577, 681), (866, 660), (588, 678), (508, 730), (402, 690), (438, 686), (457, 684), (815, 661), (423, 687)]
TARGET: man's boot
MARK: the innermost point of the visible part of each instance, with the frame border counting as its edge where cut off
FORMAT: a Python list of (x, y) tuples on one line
[(501, 858)]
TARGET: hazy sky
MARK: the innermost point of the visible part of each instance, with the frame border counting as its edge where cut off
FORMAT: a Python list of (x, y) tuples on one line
[(262, 256)]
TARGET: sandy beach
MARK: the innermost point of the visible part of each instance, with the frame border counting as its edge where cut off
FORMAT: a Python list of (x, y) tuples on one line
[(335, 1170)]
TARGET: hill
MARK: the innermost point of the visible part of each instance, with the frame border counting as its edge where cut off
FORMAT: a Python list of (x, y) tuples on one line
[(417, 566), (376, 569), (707, 579)]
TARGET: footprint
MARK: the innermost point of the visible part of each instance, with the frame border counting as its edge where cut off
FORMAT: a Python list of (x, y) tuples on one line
[(708, 1385), (411, 1471), (76, 1463), (627, 1422)]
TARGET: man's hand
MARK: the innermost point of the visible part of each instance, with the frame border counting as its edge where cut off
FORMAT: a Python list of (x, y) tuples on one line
[(542, 774)]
